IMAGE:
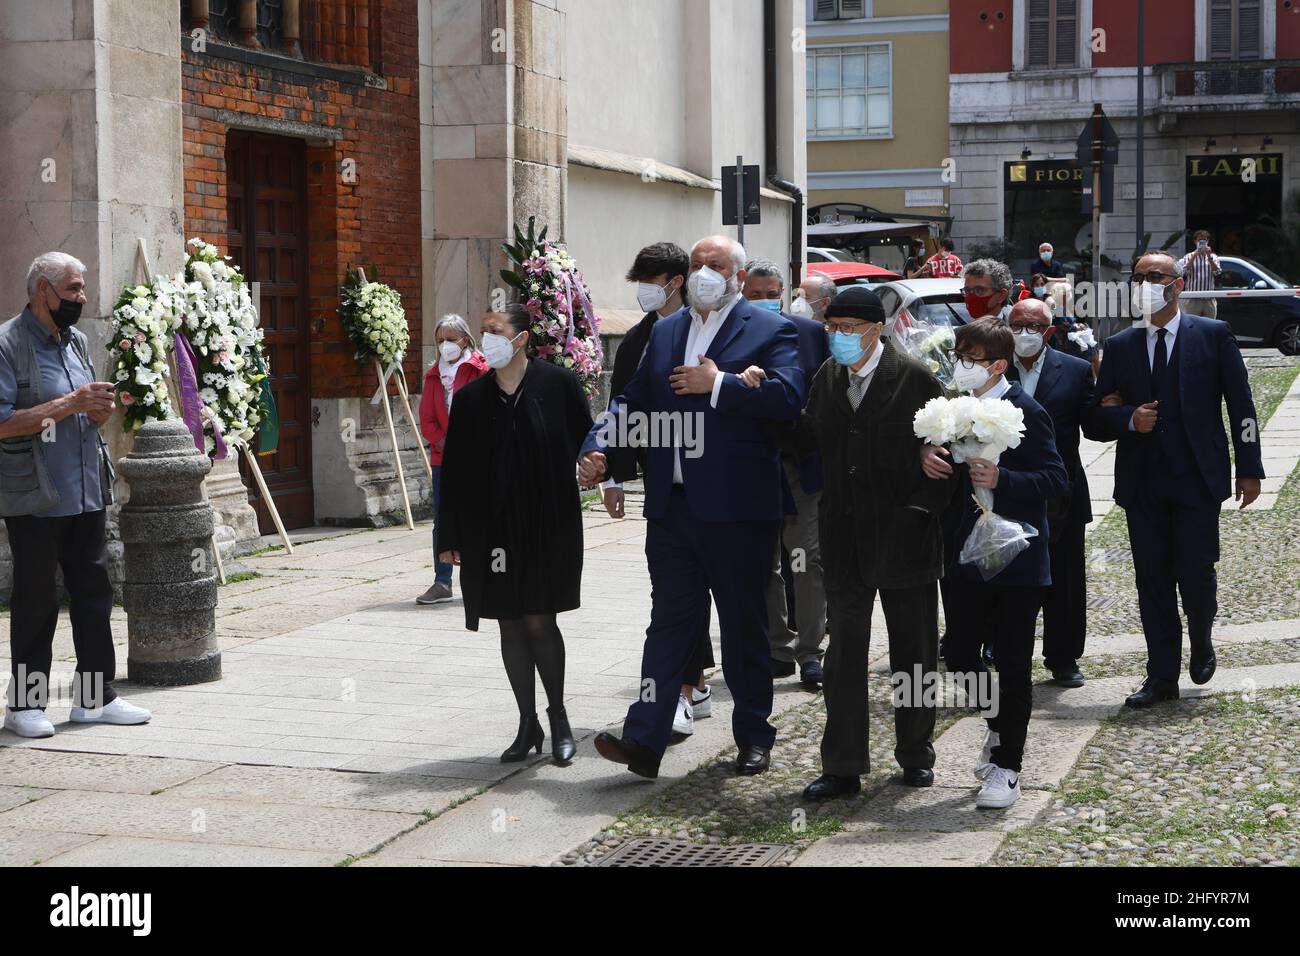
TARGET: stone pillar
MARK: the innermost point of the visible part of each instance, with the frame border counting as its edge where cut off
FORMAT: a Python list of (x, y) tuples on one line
[(169, 589)]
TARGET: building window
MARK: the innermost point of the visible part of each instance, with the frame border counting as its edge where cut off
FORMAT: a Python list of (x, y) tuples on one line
[(849, 91), (839, 9), (340, 32), (1053, 34), (1234, 30)]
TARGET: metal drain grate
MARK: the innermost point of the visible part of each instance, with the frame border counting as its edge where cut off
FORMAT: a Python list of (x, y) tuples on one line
[(1101, 603), (652, 852)]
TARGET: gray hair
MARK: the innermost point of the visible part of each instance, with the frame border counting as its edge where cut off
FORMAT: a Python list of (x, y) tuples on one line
[(763, 269), (998, 273), (737, 252), (1177, 266), (825, 285), (52, 267), (458, 325)]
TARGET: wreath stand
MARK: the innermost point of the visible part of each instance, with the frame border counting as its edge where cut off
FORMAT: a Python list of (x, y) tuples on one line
[(381, 397)]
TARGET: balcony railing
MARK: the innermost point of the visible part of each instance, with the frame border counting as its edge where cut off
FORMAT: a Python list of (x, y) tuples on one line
[(1258, 80)]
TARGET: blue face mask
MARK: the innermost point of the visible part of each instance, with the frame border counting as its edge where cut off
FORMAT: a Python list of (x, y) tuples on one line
[(846, 347), (772, 305), (1040, 291)]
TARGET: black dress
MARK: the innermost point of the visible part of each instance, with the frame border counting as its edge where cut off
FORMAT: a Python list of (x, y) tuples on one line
[(510, 502)]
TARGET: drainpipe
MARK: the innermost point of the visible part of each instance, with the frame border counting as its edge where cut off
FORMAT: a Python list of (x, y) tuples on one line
[(774, 178)]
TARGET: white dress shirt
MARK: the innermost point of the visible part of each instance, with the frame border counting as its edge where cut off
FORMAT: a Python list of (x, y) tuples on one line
[(1029, 377), (1153, 336), (997, 391)]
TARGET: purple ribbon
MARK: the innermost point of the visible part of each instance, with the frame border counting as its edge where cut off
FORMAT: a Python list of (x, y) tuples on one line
[(191, 403)]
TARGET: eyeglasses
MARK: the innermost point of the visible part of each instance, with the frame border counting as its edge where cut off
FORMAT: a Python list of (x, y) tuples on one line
[(966, 361), (855, 329), (1153, 276), (1022, 327), (978, 290)]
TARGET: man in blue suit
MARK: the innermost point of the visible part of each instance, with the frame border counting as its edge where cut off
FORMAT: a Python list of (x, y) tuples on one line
[(714, 504), (1063, 385), (1023, 481), (764, 287), (1161, 390)]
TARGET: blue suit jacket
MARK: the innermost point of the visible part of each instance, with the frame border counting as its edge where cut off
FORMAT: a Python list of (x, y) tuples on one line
[(814, 350), (1064, 390), (737, 475), (1210, 372), (1029, 475)]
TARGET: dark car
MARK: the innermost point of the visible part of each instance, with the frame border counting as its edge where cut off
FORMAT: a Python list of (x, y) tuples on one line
[(1257, 318)]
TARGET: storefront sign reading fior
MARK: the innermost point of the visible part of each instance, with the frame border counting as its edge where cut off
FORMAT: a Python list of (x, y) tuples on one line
[(1046, 174)]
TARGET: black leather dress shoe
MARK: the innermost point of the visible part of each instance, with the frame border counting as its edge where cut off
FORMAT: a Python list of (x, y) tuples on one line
[(828, 787), (1202, 666), (640, 759), (810, 672), (917, 777), (752, 760), (782, 668), (1153, 691), (1068, 676)]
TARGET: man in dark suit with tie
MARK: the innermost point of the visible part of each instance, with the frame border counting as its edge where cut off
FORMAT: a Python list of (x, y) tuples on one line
[(1063, 385), (764, 287), (1161, 390), (713, 505)]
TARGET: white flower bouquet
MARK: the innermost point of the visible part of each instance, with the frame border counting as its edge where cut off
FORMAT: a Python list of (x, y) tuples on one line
[(927, 342), (374, 320), (979, 428)]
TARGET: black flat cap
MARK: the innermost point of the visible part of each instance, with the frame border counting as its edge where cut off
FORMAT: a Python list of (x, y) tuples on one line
[(856, 302)]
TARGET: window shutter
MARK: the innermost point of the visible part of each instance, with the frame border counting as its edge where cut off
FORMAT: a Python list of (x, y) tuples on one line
[(1221, 30), (1248, 29), (1039, 21), (852, 9), (1066, 35), (826, 10)]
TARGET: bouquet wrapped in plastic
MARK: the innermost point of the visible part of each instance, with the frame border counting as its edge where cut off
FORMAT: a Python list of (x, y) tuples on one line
[(979, 428), (929, 343)]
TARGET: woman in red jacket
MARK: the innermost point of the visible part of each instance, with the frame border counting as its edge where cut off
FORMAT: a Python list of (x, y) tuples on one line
[(459, 362)]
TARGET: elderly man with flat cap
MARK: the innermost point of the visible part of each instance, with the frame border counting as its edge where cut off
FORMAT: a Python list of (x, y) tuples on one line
[(879, 526)]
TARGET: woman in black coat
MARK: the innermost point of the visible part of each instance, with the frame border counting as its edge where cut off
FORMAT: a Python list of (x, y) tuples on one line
[(511, 516)]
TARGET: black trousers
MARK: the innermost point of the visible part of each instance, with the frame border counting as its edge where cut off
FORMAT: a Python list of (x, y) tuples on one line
[(1013, 612), (1173, 529), (1065, 604), (75, 544), (912, 619), (703, 658)]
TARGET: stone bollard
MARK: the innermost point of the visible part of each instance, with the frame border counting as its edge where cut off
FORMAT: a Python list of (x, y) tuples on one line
[(169, 587)]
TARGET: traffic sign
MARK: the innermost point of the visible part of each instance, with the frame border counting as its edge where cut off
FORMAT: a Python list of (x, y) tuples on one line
[(1109, 142)]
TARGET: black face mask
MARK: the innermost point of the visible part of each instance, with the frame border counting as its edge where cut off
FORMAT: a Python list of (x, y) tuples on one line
[(67, 314)]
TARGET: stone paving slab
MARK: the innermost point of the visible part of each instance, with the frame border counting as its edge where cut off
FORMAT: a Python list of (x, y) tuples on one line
[(20, 846), (137, 851), (165, 817), (945, 809), (11, 796), (102, 772), (902, 848)]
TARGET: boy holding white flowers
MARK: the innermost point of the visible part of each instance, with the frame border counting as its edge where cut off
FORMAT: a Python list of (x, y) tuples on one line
[(1023, 479)]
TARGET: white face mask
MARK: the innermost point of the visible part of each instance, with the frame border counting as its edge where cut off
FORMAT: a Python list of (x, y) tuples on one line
[(498, 350), (708, 288), (1029, 344), (801, 307), (1149, 298), (651, 297), (969, 379), (450, 352)]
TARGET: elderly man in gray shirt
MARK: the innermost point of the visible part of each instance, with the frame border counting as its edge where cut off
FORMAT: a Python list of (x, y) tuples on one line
[(55, 482)]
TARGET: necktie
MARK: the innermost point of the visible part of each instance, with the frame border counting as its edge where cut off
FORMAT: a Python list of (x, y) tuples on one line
[(857, 389), (1161, 362)]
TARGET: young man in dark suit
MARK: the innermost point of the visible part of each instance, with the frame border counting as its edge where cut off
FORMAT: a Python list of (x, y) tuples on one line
[(1160, 392), (1022, 481), (879, 533)]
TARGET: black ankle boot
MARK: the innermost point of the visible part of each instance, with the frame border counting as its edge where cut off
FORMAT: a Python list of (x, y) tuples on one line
[(530, 735), (562, 745)]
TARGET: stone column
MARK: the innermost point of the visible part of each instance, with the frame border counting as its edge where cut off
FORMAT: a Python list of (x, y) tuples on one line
[(169, 589)]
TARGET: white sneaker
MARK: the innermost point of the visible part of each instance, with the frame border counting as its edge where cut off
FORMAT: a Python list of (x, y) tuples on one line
[(29, 723), (116, 711), (684, 722), (702, 702), (984, 765), (1001, 789)]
